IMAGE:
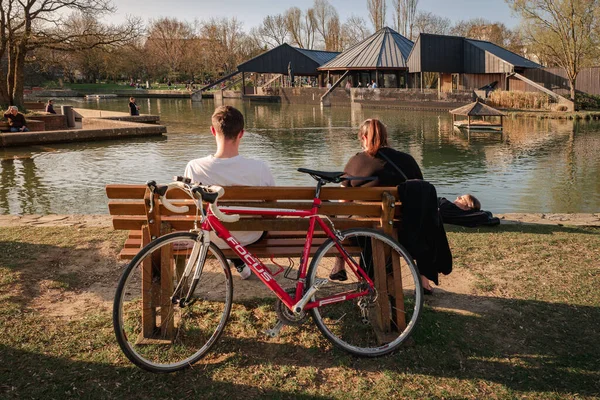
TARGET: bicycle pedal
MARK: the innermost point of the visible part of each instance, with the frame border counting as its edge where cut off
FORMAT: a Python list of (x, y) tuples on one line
[(274, 331)]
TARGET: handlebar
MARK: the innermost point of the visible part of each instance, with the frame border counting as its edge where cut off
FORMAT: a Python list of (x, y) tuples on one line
[(208, 193)]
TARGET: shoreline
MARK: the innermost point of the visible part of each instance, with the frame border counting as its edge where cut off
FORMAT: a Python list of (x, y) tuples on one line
[(105, 221)]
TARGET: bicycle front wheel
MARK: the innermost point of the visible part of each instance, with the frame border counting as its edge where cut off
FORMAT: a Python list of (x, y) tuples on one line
[(377, 323), (156, 328)]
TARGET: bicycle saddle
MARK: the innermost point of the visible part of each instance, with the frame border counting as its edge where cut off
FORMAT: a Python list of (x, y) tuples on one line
[(334, 177)]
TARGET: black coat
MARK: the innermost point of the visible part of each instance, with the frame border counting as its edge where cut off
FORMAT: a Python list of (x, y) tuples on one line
[(452, 214), (422, 232)]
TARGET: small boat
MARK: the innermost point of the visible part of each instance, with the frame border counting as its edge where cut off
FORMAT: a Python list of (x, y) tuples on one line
[(99, 96)]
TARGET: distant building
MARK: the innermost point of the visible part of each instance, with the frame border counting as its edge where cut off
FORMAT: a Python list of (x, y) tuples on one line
[(463, 64), (382, 58)]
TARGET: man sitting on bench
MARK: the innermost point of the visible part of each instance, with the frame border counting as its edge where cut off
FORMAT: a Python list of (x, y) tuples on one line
[(228, 168)]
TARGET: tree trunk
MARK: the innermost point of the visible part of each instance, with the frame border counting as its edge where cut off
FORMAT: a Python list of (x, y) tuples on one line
[(19, 76), (572, 85)]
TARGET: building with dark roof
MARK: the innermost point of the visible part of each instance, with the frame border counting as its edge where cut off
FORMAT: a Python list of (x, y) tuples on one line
[(276, 61), (382, 57), (462, 63)]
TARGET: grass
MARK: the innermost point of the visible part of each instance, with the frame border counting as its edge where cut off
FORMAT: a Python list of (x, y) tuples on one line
[(526, 327)]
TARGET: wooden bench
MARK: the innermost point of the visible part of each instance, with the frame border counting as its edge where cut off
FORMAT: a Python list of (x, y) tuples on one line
[(374, 207)]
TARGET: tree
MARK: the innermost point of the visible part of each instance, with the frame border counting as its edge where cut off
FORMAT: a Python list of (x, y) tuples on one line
[(327, 24), (426, 22), (273, 31), (169, 47), (377, 9), (494, 32), (302, 26), (567, 30), (405, 15), (27, 25), (354, 30), (225, 45)]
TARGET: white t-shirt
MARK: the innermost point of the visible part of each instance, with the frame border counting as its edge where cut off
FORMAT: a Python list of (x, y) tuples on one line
[(234, 171)]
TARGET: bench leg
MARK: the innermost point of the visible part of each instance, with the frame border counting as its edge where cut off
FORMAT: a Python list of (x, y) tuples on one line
[(382, 306), (389, 309), (148, 308), (166, 289)]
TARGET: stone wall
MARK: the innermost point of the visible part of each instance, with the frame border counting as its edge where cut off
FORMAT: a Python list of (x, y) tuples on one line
[(304, 95), (93, 129), (52, 122), (417, 99), (82, 113)]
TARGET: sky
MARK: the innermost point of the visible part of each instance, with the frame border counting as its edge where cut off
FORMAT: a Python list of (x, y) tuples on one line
[(252, 12)]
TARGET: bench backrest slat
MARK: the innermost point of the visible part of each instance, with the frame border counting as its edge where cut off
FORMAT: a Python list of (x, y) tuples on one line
[(271, 193)]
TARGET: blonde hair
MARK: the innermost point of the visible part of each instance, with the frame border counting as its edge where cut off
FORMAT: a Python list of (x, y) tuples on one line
[(376, 135)]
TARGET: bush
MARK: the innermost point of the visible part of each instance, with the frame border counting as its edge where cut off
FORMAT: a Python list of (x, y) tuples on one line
[(584, 101), (519, 100)]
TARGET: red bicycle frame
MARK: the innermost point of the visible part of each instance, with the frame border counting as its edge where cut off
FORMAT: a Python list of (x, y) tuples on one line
[(212, 223)]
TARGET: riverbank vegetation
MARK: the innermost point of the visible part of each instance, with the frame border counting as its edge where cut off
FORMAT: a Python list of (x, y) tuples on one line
[(516, 319)]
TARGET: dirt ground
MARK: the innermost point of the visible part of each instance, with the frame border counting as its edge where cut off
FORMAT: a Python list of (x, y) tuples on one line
[(87, 279)]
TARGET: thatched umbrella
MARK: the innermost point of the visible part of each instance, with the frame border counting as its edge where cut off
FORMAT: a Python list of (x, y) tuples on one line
[(477, 109)]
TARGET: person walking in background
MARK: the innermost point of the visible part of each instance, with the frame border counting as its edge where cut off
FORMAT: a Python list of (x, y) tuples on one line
[(15, 119), (50, 107), (228, 167), (134, 109)]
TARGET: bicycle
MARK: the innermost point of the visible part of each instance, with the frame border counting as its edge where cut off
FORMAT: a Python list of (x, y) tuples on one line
[(168, 323)]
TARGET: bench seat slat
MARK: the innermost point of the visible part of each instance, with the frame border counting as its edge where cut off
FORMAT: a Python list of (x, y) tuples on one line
[(280, 224), (121, 207)]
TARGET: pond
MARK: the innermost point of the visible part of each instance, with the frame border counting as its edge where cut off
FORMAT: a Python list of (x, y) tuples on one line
[(541, 166)]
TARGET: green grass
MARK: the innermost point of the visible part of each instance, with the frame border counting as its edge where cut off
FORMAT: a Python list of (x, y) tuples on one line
[(527, 327)]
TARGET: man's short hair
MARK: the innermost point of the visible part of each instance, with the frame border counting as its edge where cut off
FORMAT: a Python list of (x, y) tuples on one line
[(228, 121), (14, 108)]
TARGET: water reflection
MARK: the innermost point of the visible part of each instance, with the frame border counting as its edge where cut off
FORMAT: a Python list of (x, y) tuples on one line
[(534, 166)]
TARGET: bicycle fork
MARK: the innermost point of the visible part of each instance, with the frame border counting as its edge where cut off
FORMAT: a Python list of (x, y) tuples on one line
[(195, 263)]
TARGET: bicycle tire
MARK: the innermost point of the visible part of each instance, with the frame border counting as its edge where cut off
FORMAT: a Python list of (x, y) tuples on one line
[(187, 333), (342, 323)]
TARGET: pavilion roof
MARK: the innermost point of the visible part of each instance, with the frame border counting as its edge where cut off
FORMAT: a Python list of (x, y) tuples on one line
[(386, 48), (477, 109)]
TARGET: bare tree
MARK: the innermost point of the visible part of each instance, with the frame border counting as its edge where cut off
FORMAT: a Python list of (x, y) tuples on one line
[(377, 10), (27, 25), (169, 45), (225, 45), (427, 22), (327, 24), (495, 32), (565, 29), (273, 31), (354, 30), (405, 13), (301, 26)]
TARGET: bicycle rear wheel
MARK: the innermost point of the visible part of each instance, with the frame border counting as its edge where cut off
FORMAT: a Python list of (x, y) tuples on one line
[(155, 329), (378, 323)]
